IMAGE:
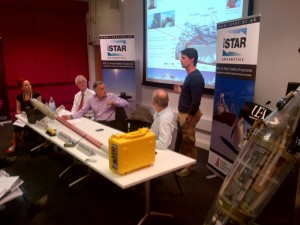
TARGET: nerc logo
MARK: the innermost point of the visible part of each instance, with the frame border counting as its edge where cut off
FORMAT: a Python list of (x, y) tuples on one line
[(259, 112)]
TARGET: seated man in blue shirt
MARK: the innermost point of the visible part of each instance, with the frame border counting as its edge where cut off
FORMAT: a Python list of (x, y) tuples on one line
[(103, 105), (164, 123)]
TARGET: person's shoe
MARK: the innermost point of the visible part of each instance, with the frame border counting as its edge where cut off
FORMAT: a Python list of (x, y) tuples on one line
[(10, 150), (185, 172), (37, 206)]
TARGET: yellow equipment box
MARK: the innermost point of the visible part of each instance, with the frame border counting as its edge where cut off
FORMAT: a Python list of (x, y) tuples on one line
[(131, 151)]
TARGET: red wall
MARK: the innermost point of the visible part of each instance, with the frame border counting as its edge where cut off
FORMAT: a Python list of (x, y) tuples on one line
[(44, 42)]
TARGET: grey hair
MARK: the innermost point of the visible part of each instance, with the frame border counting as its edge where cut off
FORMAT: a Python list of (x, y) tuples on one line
[(80, 77), (161, 98)]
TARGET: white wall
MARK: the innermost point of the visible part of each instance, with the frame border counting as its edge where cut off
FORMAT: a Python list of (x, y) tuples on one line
[(133, 23), (278, 60), (278, 56)]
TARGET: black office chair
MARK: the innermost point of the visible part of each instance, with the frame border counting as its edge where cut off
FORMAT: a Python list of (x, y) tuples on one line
[(120, 120), (140, 117), (121, 117)]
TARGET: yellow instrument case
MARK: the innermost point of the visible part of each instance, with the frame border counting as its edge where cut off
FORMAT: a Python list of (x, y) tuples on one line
[(131, 151)]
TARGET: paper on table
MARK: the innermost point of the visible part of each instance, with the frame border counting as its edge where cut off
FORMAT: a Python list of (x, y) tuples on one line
[(75, 121), (2, 191), (6, 183), (63, 112), (9, 187), (19, 123), (12, 195)]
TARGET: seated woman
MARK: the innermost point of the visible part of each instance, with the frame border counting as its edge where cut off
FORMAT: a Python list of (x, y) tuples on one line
[(22, 102)]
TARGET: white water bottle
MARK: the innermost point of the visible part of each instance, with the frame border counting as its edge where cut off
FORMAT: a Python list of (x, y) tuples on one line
[(52, 105)]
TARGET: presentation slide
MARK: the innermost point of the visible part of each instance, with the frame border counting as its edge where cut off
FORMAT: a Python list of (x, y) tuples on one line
[(173, 25)]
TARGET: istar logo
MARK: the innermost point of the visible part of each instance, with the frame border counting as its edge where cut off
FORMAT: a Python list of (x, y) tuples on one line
[(238, 40), (116, 48), (234, 42)]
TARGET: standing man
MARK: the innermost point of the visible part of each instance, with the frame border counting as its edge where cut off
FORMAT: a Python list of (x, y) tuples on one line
[(164, 121), (81, 97), (188, 107), (102, 104)]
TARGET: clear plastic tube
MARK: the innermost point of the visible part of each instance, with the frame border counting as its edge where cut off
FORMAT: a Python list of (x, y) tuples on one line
[(260, 167)]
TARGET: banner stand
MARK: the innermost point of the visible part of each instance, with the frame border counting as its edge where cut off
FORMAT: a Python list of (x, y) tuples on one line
[(118, 66), (237, 50)]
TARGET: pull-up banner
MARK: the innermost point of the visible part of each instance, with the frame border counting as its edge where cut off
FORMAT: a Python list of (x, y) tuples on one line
[(237, 51), (4, 107), (118, 66)]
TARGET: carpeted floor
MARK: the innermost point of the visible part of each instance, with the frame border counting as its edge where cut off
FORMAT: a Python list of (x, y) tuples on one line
[(97, 201)]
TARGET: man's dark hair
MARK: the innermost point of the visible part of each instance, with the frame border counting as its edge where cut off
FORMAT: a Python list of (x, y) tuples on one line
[(191, 53)]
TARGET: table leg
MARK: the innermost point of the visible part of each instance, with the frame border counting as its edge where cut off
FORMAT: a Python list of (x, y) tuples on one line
[(80, 179), (39, 146), (68, 168), (77, 180), (147, 205)]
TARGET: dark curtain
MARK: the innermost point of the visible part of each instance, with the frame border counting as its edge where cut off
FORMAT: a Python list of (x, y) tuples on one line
[(4, 107)]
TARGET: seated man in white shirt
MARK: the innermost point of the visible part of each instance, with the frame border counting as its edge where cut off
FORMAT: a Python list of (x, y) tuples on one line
[(164, 124), (81, 97)]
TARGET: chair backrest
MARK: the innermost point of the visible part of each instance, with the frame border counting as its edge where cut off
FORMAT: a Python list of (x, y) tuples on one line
[(178, 139), (141, 117), (121, 117)]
